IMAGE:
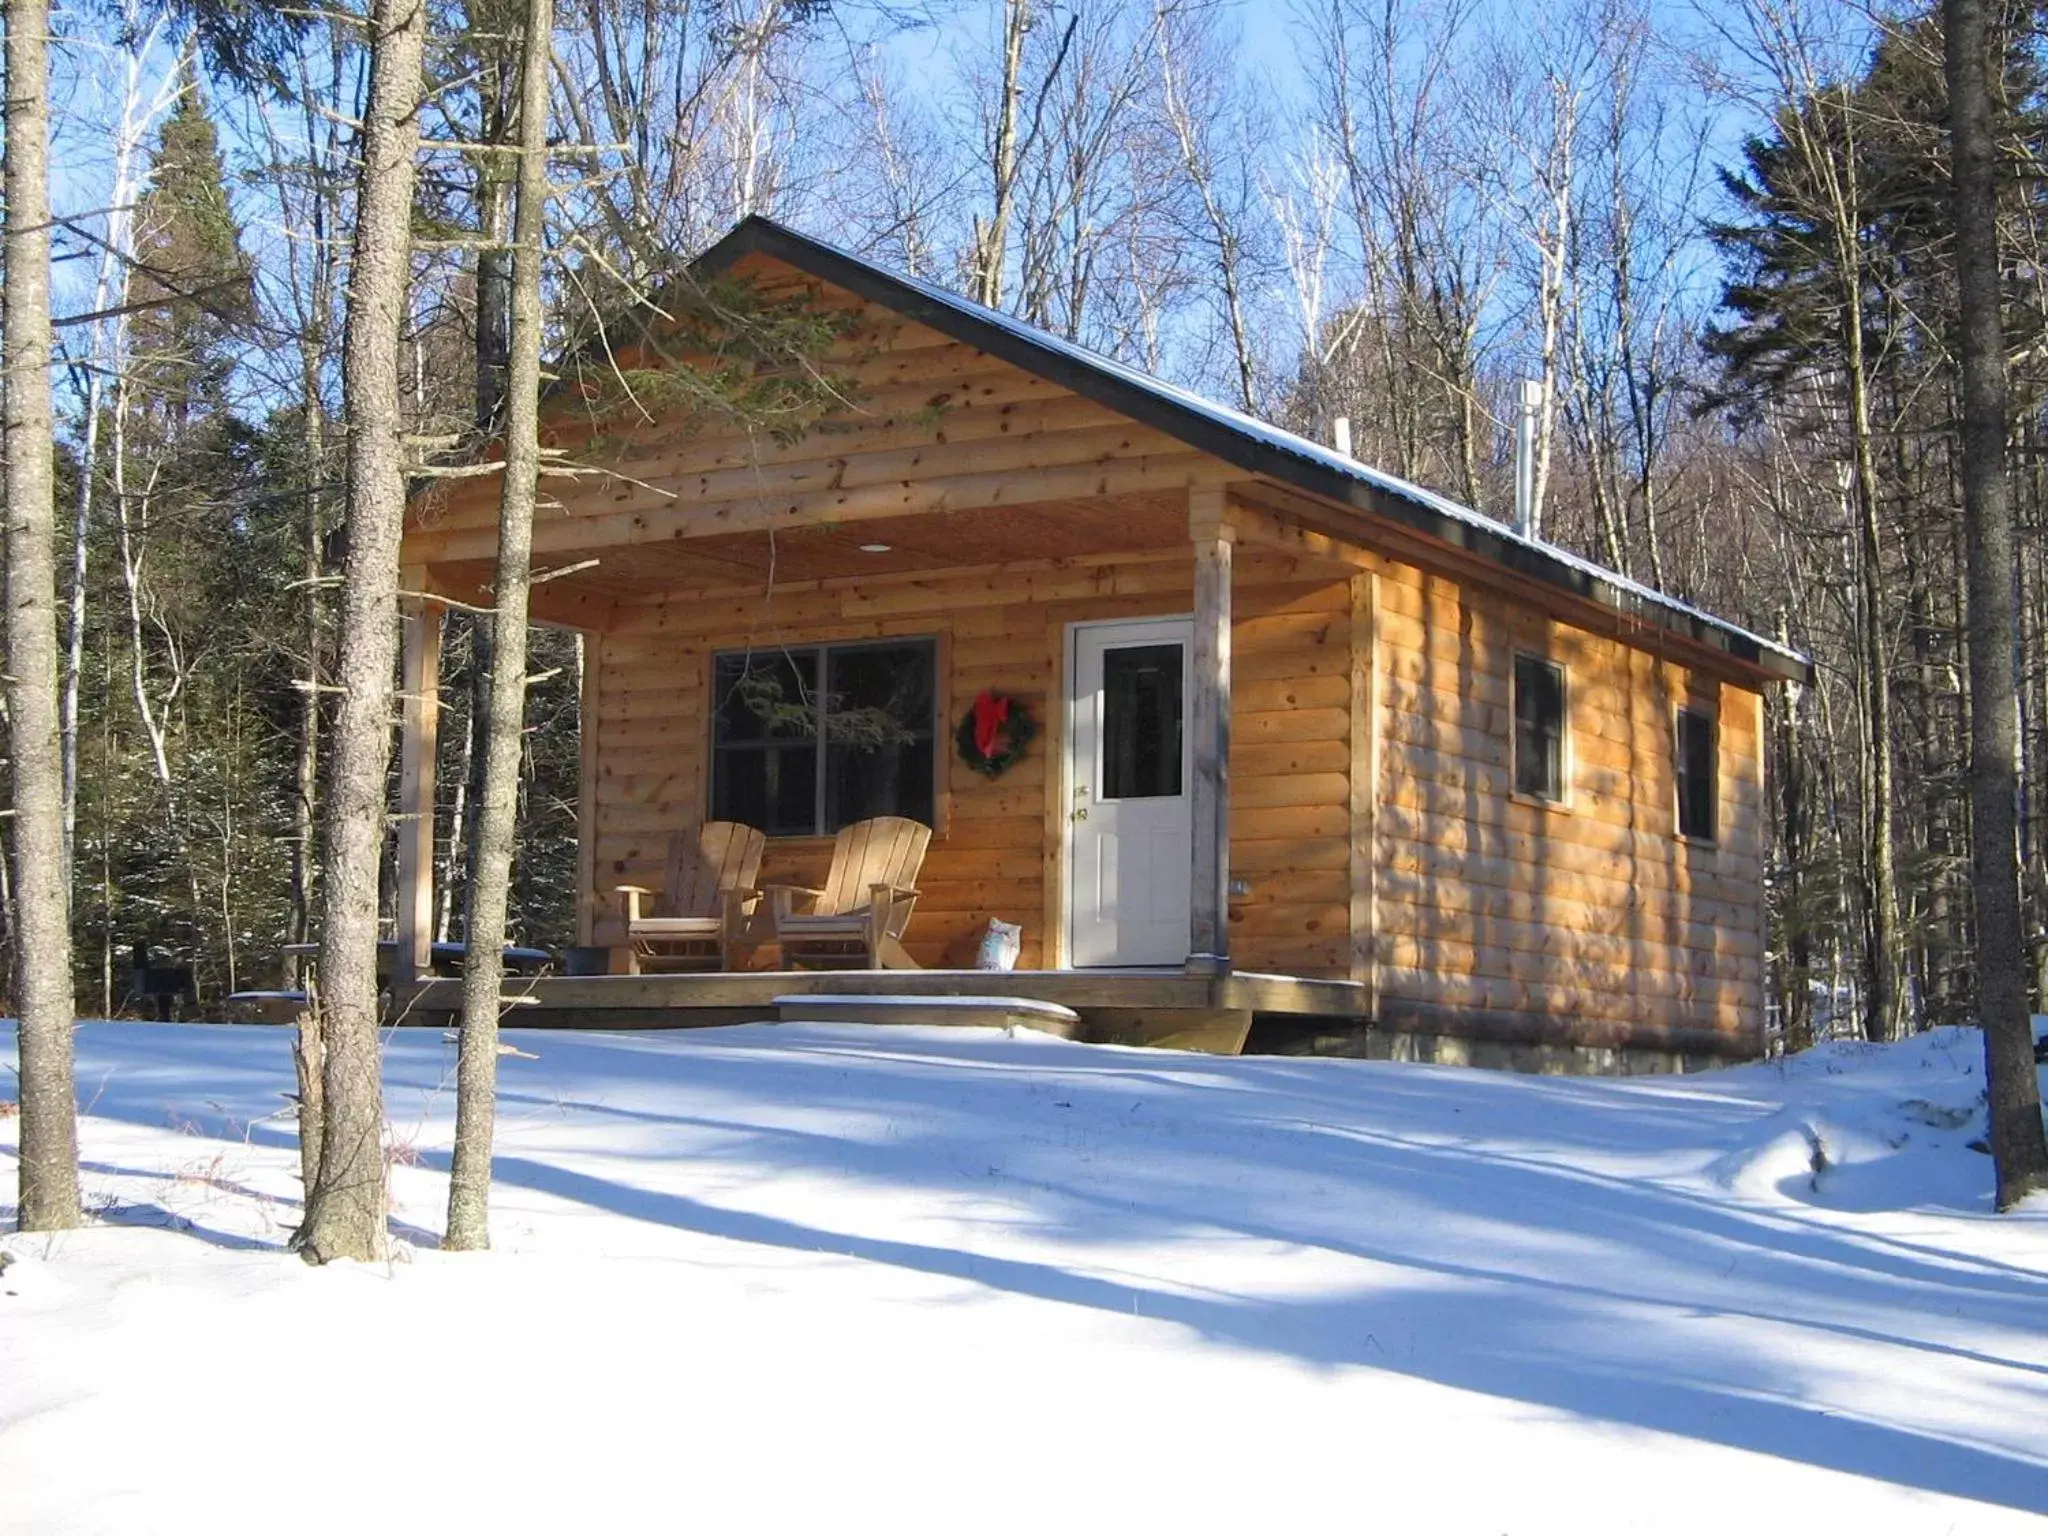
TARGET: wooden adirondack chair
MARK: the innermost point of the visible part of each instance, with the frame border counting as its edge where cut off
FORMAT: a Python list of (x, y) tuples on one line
[(857, 920), (707, 898)]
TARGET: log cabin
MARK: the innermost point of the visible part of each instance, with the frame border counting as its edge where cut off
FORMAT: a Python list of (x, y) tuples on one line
[(1322, 760)]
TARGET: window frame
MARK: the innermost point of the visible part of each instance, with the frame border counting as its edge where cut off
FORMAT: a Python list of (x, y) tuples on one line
[(1562, 800), (935, 649), (1712, 718)]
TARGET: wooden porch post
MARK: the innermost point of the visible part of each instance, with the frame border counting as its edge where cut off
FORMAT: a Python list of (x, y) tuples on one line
[(418, 737), (1209, 733)]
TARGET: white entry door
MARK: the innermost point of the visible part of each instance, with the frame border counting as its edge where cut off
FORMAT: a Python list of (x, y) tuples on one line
[(1129, 825)]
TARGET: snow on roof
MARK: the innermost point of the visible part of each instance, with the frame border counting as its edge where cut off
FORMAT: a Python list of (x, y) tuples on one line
[(1620, 592)]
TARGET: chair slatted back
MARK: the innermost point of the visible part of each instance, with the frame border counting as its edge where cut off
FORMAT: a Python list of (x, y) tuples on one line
[(884, 850), (704, 864)]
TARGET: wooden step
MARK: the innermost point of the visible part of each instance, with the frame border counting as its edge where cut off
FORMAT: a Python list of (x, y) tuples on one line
[(956, 1012)]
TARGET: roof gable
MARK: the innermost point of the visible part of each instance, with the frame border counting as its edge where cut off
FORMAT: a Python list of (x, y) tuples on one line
[(1256, 447)]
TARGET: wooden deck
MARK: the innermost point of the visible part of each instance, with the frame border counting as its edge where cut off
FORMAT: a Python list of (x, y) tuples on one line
[(1125, 1007)]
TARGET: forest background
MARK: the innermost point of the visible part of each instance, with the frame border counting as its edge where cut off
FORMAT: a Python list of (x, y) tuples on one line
[(1718, 234)]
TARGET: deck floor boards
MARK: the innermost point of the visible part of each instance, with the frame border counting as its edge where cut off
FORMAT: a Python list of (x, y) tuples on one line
[(1132, 1006)]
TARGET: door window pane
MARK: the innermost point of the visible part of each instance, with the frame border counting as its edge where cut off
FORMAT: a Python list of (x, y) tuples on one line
[(1141, 722)]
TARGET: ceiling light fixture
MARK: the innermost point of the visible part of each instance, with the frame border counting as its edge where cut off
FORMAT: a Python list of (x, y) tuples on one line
[(876, 549)]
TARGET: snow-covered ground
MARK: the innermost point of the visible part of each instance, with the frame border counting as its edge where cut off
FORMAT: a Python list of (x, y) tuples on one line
[(804, 1278)]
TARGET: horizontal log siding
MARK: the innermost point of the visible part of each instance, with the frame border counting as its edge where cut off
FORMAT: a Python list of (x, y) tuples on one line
[(1594, 913), (1596, 917), (1289, 761)]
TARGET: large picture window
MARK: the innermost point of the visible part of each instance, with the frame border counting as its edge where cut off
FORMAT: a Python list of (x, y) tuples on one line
[(806, 739)]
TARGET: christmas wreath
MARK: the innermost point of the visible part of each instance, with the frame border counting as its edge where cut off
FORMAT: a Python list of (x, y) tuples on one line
[(994, 733)]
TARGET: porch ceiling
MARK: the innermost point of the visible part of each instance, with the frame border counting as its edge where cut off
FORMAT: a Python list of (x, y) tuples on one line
[(931, 541)]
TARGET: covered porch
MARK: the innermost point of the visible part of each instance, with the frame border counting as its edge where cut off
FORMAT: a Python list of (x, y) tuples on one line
[(1271, 925)]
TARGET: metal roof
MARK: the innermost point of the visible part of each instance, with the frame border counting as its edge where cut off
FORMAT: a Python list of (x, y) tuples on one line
[(1255, 446)]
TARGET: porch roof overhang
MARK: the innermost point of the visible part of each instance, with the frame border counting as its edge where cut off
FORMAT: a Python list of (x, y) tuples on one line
[(1351, 495)]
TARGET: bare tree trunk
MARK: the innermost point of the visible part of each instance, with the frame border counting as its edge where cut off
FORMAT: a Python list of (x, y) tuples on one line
[(316, 280), (1191, 131), (991, 239), (345, 1207), (493, 344), (308, 1047), (108, 890), (452, 884), (2019, 1151), (81, 529), (493, 354), (1884, 1013), (306, 778), (131, 579), (42, 935), (483, 972)]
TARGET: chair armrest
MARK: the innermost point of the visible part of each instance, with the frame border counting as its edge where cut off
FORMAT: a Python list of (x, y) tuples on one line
[(878, 889), (782, 898), (637, 890), (633, 893)]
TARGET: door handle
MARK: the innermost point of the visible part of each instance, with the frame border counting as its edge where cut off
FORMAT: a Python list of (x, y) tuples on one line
[(1081, 814)]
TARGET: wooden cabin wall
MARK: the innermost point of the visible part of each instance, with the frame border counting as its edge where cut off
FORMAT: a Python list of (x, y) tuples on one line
[(1373, 830), (1589, 922), (989, 857)]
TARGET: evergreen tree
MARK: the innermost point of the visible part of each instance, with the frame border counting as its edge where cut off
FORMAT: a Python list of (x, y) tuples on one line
[(191, 285)]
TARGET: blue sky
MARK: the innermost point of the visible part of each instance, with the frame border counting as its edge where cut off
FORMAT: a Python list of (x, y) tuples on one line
[(927, 57)]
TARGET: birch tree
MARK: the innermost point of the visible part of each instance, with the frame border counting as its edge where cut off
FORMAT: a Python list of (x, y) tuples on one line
[(989, 252), (104, 357), (1215, 131)]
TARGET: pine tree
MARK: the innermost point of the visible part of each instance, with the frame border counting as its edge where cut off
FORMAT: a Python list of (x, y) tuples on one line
[(191, 284)]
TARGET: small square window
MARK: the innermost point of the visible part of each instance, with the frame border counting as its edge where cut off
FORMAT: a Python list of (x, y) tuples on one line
[(1698, 787), (1539, 728)]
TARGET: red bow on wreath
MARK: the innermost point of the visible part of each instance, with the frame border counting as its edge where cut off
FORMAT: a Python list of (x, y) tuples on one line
[(990, 712), (993, 733)]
